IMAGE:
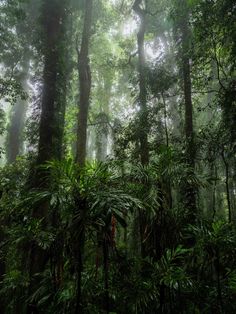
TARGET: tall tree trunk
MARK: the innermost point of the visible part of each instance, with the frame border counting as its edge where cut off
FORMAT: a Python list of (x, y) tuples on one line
[(84, 84), (143, 131), (102, 121), (190, 190), (54, 90), (101, 137), (52, 122), (17, 119), (144, 151), (84, 100)]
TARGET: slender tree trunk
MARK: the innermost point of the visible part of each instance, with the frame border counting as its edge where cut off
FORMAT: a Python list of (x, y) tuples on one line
[(214, 173), (143, 118), (232, 193), (102, 120), (165, 119), (17, 119), (144, 150), (102, 129), (190, 190), (79, 253), (106, 274), (167, 187), (226, 164), (15, 130), (101, 137), (84, 85), (84, 99)]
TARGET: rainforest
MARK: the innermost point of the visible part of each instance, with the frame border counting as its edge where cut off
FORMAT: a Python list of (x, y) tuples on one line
[(117, 156)]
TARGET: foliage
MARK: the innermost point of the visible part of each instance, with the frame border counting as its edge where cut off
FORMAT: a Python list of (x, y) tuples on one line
[(118, 234)]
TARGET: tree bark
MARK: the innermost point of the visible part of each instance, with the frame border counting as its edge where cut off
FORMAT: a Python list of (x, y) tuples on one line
[(143, 117), (102, 121), (84, 85), (226, 164), (190, 190), (53, 101), (51, 123), (84, 100), (101, 137), (143, 132)]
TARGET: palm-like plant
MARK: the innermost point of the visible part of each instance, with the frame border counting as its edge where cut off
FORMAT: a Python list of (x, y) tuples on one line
[(214, 251), (86, 200)]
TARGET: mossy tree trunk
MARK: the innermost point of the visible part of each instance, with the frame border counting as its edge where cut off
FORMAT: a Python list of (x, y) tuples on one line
[(51, 127)]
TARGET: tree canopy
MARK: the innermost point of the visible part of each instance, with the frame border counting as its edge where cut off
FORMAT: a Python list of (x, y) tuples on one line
[(117, 156)]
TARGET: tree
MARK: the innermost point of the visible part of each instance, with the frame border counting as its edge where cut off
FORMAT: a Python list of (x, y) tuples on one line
[(145, 221), (84, 84), (142, 99), (183, 24), (17, 119), (52, 119)]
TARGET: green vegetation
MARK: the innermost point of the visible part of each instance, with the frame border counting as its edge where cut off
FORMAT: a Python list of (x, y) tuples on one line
[(117, 146)]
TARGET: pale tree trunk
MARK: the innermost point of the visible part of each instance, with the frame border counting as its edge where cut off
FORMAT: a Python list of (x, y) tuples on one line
[(144, 150), (102, 124), (101, 143), (14, 141), (84, 85)]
